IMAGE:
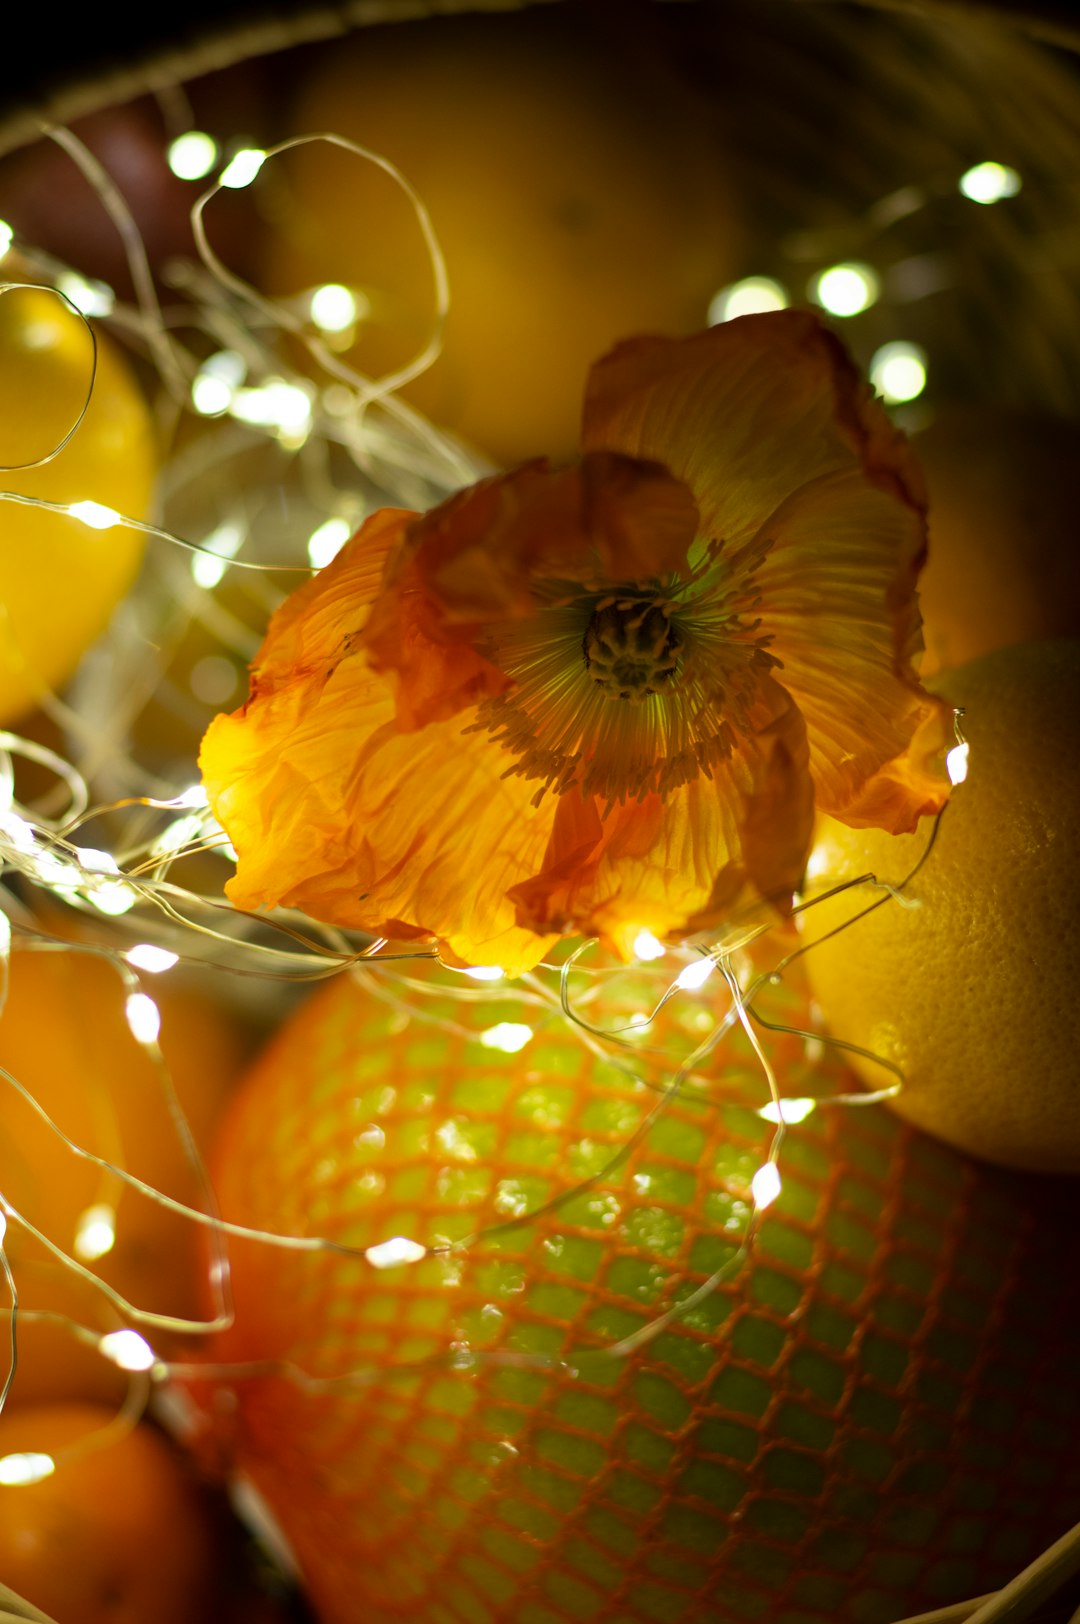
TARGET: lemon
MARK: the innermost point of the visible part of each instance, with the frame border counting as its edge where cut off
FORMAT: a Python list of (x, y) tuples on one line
[(969, 984), (60, 578), (828, 1434)]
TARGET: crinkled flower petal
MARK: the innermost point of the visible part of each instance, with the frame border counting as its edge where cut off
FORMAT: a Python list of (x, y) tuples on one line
[(837, 588), (746, 413), (679, 862), (475, 562), (816, 505), (333, 810), (601, 698)]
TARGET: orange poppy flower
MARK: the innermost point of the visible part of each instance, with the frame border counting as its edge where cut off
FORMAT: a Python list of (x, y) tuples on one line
[(605, 697)]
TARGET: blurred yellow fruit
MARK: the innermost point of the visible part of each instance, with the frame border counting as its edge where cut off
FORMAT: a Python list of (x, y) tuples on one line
[(62, 578), (578, 196), (1003, 564), (64, 1037), (117, 1534), (972, 991)]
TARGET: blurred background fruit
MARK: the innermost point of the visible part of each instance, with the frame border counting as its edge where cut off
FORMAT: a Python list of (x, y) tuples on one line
[(869, 1421), (62, 578), (1003, 565), (117, 1534), (972, 990), (64, 1036), (51, 205), (574, 181)]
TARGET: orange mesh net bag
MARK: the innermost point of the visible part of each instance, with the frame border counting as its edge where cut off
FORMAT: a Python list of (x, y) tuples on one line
[(871, 1415)]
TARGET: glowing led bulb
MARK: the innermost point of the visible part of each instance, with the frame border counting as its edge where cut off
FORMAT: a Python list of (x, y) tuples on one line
[(695, 975), (143, 1017), (796, 1110), (750, 297), (484, 972), (209, 566), (217, 381), (3, 1228), (90, 297), (18, 832), (26, 1467), (392, 1254), (333, 307), (898, 372), (128, 1350), (7, 237), (179, 833), (989, 183), (210, 396), (192, 155), (95, 1232), (765, 1185), (647, 947), (956, 763), (327, 541), (100, 862), (276, 404), (844, 290), (509, 1036), (94, 514), (145, 956), (113, 899), (242, 168)]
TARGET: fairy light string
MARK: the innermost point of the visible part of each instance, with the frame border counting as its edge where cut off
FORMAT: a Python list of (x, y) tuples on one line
[(235, 377)]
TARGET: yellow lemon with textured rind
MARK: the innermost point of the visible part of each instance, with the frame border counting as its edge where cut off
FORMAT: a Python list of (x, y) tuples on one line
[(61, 578), (968, 980)]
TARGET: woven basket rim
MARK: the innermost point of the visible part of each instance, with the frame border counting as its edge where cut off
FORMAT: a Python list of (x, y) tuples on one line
[(166, 52)]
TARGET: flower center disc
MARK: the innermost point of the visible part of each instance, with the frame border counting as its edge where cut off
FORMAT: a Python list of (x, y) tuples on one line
[(632, 649)]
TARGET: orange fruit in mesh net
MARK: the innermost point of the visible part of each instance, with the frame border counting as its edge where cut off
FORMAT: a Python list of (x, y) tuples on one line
[(862, 1422), (120, 1533), (972, 989), (567, 221), (61, 578), (1002, 566)]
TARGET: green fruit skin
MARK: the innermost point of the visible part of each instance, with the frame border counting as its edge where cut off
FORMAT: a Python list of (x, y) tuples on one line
[(869, 1421)]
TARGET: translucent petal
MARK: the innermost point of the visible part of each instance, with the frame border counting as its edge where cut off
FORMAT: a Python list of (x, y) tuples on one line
[(678, 863), (837, 591), (746, 413)]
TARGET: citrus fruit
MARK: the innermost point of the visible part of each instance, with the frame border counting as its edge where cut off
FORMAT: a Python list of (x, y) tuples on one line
[(864, 1422), (969, 985), (54, 1365), (1002, 567), (117, 1534), (62, 578), (568, 219), (64, 1036)]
